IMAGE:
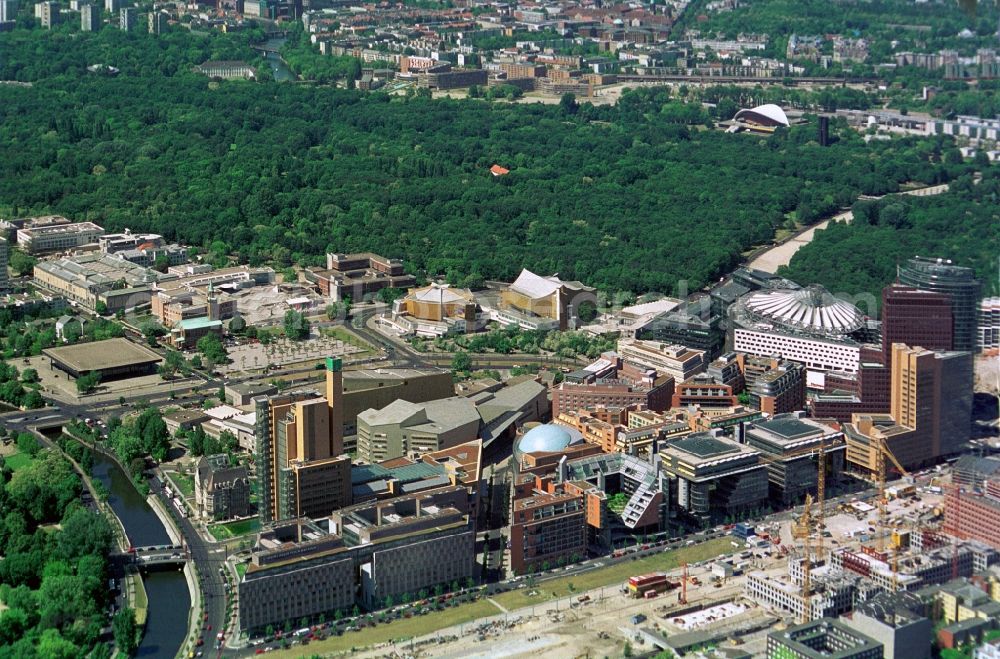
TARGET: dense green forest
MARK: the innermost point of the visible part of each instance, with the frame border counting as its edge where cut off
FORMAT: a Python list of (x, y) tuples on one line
[(53, 575), (624, 197), (861, 257)]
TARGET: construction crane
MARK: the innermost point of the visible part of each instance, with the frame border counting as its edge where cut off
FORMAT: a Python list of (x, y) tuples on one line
[(881, 453), (683, 597), (802, 531)]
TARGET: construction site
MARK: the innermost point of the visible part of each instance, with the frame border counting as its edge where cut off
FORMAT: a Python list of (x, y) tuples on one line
[(870, 575)]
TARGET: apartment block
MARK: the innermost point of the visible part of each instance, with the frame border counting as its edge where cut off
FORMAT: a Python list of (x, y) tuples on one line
[(705, 393), (548, 523), (609, 383)]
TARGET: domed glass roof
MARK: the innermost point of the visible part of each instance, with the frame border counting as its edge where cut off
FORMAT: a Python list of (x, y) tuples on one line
[(548, 438), (812, 310)]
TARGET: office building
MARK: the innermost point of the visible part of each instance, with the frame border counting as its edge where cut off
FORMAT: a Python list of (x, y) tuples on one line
[(610, 383), (728, 371), (959, 284), (8, 10), (898, 622), (930, 410), (127, 17), (915, 317), (90, 18), (300, 463), (112, 6), (691, 324), (221, 490), (825, 638), (48, 14), (674, 360), (57, 237), (157, 22), (974, 515), (355, 276), (909, 316), (95, 278), (714, 476), (535, 302), (375, 553), (989, 325), (790, 448), (778, 390), (548, 525), (4, 261)]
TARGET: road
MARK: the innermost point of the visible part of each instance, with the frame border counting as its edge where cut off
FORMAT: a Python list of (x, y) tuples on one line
[(208, 560), (781, 254)]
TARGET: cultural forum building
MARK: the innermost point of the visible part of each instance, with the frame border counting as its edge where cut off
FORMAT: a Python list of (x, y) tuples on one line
[(113, 359)]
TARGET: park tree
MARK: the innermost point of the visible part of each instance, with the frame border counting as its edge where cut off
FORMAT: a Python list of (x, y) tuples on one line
[(296, 325), (461, 362), (125, 631), (86, 383)]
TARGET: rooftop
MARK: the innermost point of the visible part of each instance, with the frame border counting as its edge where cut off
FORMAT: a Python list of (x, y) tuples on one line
[(98, 355), (704, 446)]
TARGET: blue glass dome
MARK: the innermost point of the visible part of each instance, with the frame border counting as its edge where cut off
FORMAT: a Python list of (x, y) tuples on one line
[(548, 438)]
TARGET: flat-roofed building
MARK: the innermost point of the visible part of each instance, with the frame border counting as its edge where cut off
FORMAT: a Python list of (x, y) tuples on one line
[(779, 390), (299, 445), (91, 278), (609, 383), (358, 275), (714, 476), (548, 525), (898, 622), (58, 237), (929, 415), (677, 361), (113, 359), (790, 448), (703, 392), (822, 638)]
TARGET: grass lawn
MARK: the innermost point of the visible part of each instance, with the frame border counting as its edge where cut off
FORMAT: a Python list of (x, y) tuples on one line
[(241, 569), (184, 482), (613, 575), (398, 629), (18, 461), (233, 529)]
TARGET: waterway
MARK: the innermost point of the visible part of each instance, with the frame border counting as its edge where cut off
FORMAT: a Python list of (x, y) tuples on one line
[(279, 69), (169, 600)]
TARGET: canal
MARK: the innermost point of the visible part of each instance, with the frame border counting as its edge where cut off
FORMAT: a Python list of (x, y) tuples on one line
[(169, 599), (279, 69)]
